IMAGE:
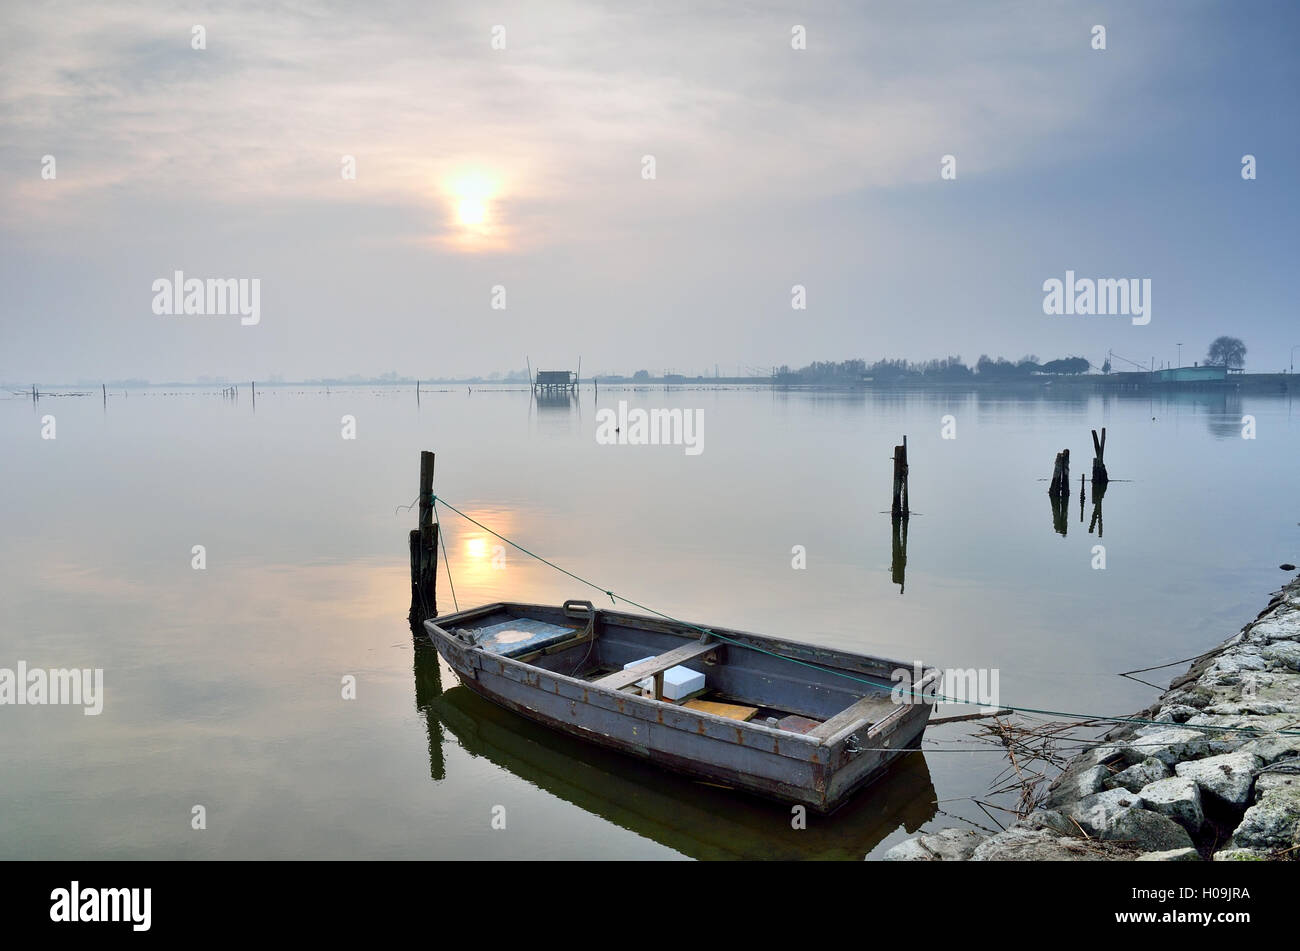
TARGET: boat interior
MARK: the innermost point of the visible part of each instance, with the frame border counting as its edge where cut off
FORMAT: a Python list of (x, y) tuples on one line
[(668, 662)]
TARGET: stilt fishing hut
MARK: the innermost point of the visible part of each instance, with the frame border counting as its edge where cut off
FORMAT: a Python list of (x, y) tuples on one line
[(554, 382)]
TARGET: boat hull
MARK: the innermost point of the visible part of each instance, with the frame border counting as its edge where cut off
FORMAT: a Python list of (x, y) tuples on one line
[(818, 773)]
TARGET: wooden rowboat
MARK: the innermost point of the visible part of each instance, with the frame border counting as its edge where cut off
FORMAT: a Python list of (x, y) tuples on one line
[(778, 718)]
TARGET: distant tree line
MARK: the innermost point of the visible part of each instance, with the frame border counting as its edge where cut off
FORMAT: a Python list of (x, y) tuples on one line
[(948, 369)]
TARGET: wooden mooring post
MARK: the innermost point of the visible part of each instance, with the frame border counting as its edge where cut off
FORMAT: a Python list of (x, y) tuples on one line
[(424, 551), (1099, 476), (900, 507), (1060, 487)]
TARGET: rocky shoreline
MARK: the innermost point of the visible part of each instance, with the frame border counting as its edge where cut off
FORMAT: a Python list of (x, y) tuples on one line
[(1213, 779)]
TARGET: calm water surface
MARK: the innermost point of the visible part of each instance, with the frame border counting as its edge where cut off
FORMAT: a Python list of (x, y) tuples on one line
[(223, 686)]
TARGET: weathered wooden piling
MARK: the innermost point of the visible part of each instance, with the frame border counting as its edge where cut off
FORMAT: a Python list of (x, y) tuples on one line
[(424, 551), (900, 507), (1060, 487), (1099, 476)]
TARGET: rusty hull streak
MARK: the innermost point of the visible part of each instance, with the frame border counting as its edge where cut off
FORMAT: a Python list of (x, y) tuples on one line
[(819, 778)]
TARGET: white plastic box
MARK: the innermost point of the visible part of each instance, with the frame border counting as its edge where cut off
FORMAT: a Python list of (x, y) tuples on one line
[(679, 681)]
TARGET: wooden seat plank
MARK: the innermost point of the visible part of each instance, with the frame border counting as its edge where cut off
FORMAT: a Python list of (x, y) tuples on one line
[(648, 668)]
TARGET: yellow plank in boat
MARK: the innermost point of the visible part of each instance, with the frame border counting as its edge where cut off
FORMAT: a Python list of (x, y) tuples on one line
[(730, 710)]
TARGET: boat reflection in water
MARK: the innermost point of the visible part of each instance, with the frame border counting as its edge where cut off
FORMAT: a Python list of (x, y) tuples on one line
[(695, 818)]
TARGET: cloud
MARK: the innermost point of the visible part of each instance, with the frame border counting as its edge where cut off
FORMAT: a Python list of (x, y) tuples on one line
[(561, 117), (774, 166)]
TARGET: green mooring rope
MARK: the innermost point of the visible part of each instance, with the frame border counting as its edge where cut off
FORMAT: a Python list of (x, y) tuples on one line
[(614, 598), (447, 562)]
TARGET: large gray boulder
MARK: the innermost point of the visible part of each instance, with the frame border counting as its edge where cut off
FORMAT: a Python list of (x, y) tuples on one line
[(1138, 775), (1077, 781), (1097, 812), (1170, 746), (1147, 831), (1240, 855), (1173, 855), (1179, 799), (1228, 777), (1048, 819), (1119, 815), (1273, 822), (1237, 660), (946, 845), (1042, 845), (1278, 626), (1176, 713), (1270, 749), (1282, 655)]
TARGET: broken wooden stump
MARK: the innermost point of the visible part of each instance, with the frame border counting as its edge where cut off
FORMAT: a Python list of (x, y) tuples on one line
[(1060, 486), (1099, 476), (899, 508), (424, 551)]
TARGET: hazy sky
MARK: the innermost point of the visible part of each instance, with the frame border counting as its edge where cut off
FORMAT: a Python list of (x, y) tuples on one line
[(522, 167)]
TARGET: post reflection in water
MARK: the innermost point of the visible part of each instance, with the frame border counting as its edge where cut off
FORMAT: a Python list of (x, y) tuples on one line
[(697, 819), (1098, 493), (1060, 513), (898, 562), (428, 688)]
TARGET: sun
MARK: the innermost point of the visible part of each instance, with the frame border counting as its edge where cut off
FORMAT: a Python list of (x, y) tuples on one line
[(472, 193), (472, 207), (471, 211)]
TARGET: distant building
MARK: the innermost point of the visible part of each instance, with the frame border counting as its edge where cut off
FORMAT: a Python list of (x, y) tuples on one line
[(1207, 374), (555, 381)]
